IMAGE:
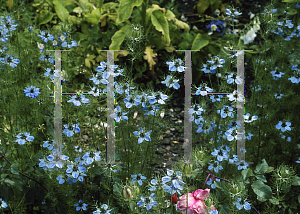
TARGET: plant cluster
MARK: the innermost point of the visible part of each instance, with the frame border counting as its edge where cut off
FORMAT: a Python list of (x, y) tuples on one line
[(27, 108)]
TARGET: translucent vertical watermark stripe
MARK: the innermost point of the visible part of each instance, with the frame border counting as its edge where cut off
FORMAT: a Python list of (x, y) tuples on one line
[(110, 130), (240, 144)]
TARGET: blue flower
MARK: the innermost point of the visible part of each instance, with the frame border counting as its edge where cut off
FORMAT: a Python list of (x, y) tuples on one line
[(23, 137), (118, 114), (139, 181), (69, 131), (3, 204), (75, 170), (171, 84), (51, 73), (242, 165), (32, 92), (76, 100), (175, 182), (48, 145), (285, 127), (80, 206), (231, 79), (239, 206), (91, 157), (56, 159), (150, 204), (45, 37), (217, 168), (10, 61), (46, 58), (60, 179), (142, 136), (229, 13), (104, 207), (211, 182), (176, 65)]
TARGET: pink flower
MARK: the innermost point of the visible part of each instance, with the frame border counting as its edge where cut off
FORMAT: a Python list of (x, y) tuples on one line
[(200, 194), (181, 205), (199, 207), (196, 204)]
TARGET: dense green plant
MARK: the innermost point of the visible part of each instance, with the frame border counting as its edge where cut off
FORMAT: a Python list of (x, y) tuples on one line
[(268, 189)]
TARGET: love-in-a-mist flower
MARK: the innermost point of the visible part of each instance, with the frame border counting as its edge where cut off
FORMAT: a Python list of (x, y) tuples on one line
[(284, 127), (148, 203), (175, 182), (142, 135), (9, 60), (170, 82), (104, 209), (56, 159), (31, 91), (3, 204), (76, 100), (23, 137), (176, 66), (52, 74), (80, 206), (69, 131), (240, 206), (139, 181)]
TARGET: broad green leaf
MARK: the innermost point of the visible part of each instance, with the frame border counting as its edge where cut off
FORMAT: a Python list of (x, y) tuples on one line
[(261, 178), (261, 190), (202, 6), (299, 199), (118, 38), (9, 182), (125, 9), (45, 18), (262, 167), (199, 42), (274, 200), (247, 173), (289, 1), (161, 24), (4, 175), (18, 184), (93, 17), (14, 168), (85, 5), (292, 12), (61, 11), (77, 10), (296, 181)]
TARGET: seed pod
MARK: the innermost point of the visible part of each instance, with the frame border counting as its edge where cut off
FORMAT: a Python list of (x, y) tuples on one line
[(127, 192), (268, 16)]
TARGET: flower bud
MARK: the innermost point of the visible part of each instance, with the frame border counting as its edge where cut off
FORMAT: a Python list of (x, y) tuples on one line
[(268, 16), (127, 193), (174, 198)]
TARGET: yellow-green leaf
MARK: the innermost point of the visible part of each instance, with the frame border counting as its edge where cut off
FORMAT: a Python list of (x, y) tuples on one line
[(61, 12), (93, 17), (149, 55), (87, 63), (118, 38), (161, 24), (199, 42), (45, 18), (125, 9), (10, 4), (202, 6), (182, 25)]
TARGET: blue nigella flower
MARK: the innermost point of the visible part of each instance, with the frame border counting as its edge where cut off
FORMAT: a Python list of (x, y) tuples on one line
[(149, 204), (76, 100), (23, 137), (142, 135), (80, 206), (32, 92)]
